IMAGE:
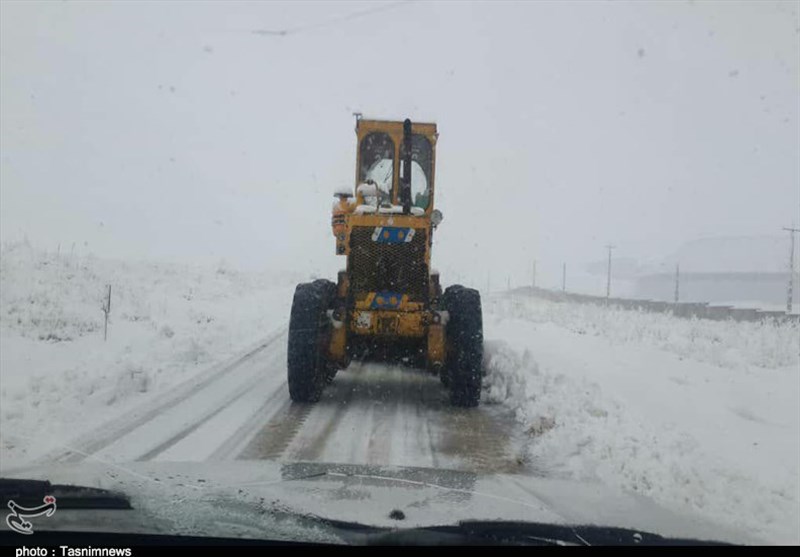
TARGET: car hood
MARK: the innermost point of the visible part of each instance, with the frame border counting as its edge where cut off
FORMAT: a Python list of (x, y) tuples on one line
[(294, 501)]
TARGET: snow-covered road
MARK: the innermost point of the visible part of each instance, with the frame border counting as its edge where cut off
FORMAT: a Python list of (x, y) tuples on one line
[(377, 414), (370, 414), (701, 416)]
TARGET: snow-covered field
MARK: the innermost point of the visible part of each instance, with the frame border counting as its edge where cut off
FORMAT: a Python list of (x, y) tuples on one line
[(700, 415), (58, 378)]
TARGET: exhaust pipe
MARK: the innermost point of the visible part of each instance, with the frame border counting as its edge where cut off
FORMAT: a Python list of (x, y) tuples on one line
[(405, 179)]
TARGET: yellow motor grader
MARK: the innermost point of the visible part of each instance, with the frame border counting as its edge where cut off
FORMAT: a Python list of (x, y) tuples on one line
[(387, 304)]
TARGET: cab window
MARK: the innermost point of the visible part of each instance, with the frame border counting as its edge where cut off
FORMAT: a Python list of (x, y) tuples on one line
[(377, 163), (421, 157)]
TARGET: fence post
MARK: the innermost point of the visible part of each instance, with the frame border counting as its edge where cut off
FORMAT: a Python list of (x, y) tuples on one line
[(106, 310)]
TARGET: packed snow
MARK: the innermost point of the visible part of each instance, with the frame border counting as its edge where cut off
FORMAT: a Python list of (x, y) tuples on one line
[(699, 415), (343, 191)]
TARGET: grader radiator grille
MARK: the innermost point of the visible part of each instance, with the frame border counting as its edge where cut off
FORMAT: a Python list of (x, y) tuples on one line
[(396, 267)]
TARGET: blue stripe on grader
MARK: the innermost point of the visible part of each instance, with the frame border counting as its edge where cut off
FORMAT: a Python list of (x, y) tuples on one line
[(383, 300), (392, 235)]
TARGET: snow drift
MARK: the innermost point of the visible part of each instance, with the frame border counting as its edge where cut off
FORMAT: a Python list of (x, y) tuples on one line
[(698, 415)]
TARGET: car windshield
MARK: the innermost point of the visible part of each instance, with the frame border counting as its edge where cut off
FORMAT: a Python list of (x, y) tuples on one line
[(221, 315)]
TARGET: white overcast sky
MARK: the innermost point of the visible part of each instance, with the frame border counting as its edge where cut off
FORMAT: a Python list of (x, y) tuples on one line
[(171, 131)]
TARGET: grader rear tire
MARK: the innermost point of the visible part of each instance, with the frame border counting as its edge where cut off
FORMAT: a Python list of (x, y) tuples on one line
[(464, 333), (309, 331)]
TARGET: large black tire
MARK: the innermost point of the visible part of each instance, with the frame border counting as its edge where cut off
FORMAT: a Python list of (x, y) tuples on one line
[(309, 333), (464, 331)]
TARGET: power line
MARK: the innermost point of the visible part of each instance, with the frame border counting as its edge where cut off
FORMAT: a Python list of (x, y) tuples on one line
[(330, 22), (609, 247)]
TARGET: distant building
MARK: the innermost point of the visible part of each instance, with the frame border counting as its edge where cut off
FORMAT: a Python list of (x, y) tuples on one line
[(731, 288), (743, 270)]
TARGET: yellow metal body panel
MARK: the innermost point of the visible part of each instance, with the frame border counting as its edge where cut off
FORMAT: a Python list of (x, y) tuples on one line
[(436, 345), (343, 284), (370, 219), (337, 349), (389, 323), (373, 299)]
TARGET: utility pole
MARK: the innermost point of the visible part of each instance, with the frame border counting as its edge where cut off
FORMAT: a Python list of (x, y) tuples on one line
[(789, 289), (488, 283), (106, 310), (534, 274), (677, 280), (609, 247), (508, 283), (564, 278)]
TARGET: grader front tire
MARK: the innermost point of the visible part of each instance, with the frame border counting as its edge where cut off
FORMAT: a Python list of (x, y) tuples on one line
[(309, 328), (464, 345)]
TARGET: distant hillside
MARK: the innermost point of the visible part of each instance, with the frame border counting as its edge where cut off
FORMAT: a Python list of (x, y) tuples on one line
[(730, 254), (742, 254)]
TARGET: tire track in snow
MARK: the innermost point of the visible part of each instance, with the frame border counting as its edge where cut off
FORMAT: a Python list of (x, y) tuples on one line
[(480, 438), (237, 395), (239, 441), (379, 414), (341, 395), (274, 436), (118, 428)]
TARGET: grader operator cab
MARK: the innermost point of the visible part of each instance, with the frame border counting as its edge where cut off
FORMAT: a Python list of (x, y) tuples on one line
[(388, 304)]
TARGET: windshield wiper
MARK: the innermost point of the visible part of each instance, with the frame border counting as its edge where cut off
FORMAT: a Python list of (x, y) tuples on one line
[(534, 533), (26, 492), (504, 533)]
